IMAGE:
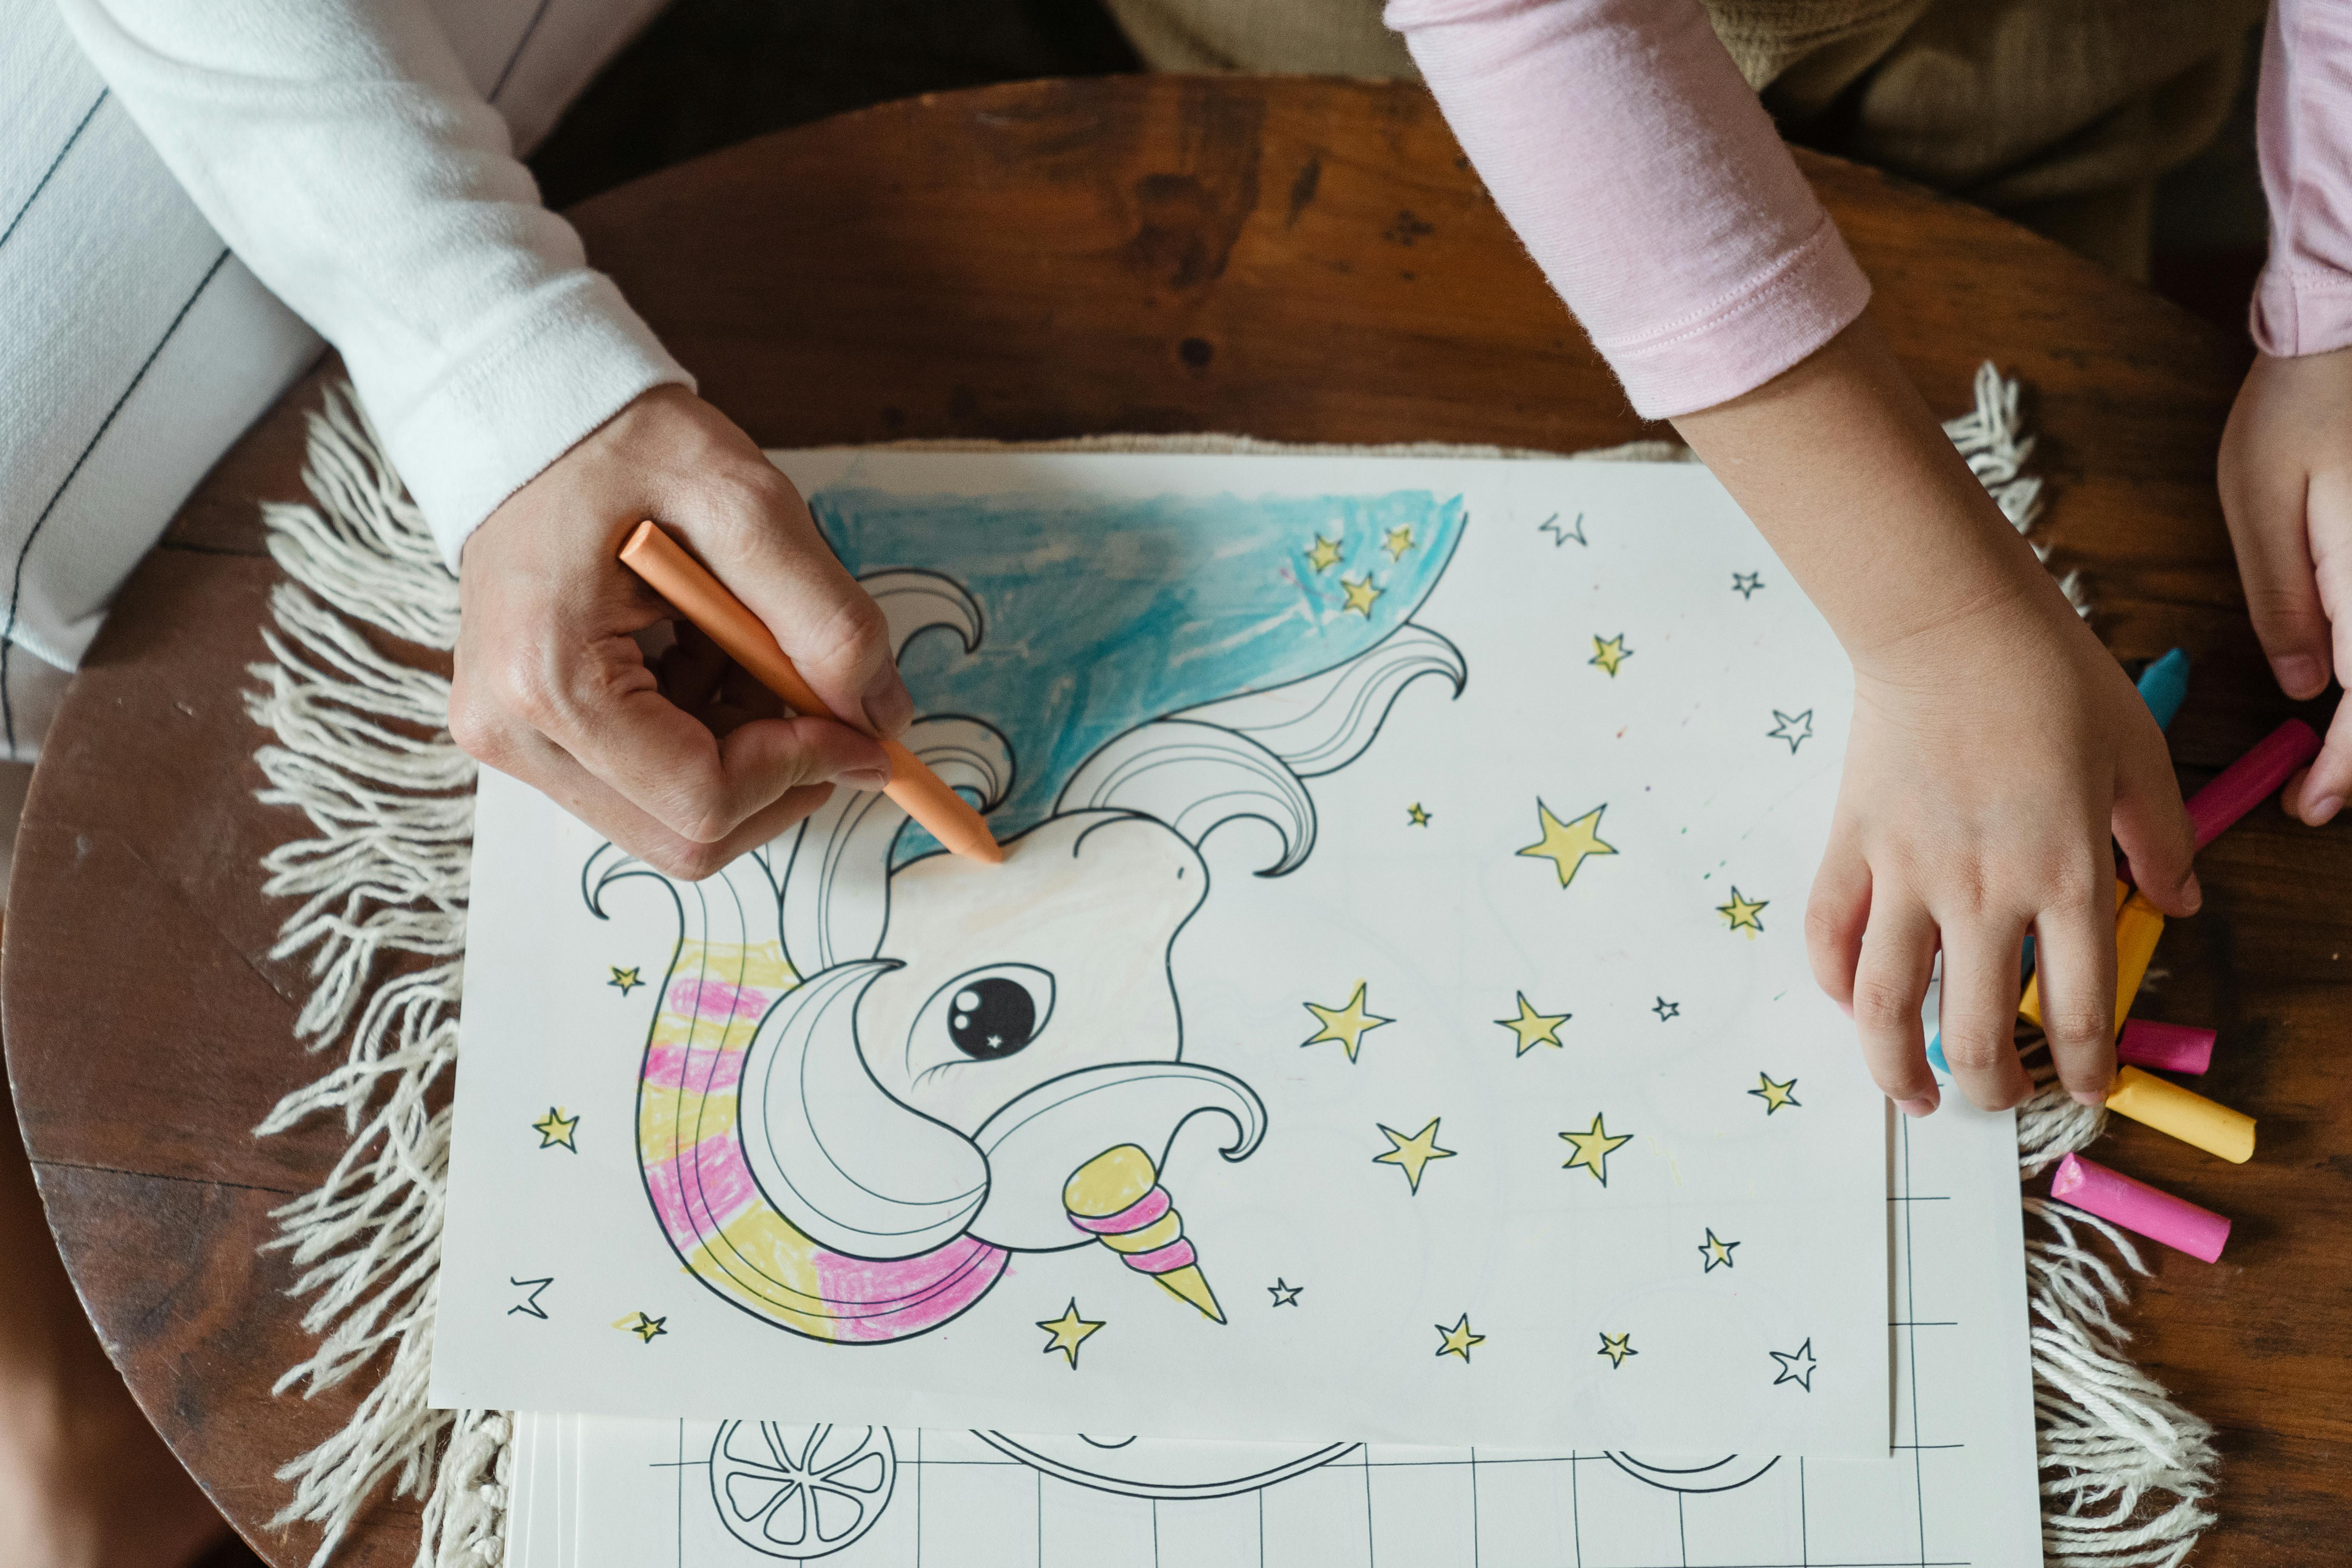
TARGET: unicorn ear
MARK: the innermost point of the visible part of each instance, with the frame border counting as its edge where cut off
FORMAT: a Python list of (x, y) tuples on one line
[(835, 888), (1320, 724), (855, 1170), (1195, 778)]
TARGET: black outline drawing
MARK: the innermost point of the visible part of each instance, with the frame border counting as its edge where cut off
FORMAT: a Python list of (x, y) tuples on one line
[(1666, 1010), (1780, 729), (824, 1138), (788, 1467), (1607, 1142), (1399, 1143), (1790, 1359), (1559, 535), (1716, 1251), (529, 1306), (624, 980), (1786, 1093), (1746, 583), (1284, 1292)]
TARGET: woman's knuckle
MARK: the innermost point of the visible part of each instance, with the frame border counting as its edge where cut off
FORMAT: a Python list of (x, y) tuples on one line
[(1878, 1004)]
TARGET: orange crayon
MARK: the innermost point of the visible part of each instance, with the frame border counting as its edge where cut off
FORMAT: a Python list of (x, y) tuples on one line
[(702, 598)]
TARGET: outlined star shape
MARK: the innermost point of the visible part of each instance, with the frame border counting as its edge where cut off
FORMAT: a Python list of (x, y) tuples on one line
[(1397, 541), (1069, 1332), (1796, 1366), (555, 1130), (1324, 556), (1534, 1029), (1594, 1146), (1413, 1154), (624, 980), (1794, 728), (1745, 583), (1717, 1251), (1346, 1025), (1559, 535), (529, 1306), (1284, 1293), (1775, 1095), (1359, 596), (1617, 1347), (1416, 815), (1610, 652), (1458, 1339), (1566, 844), (644, 1326), (1741, 913), (1666, 1009)]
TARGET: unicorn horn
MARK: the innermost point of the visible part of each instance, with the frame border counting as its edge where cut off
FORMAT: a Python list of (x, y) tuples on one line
[(1116, 1198)]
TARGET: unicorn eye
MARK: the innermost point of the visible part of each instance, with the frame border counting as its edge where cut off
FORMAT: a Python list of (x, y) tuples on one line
[(989, 1013)]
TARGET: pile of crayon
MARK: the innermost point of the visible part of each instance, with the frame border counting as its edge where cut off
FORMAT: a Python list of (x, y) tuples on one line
[(2159, 1102)]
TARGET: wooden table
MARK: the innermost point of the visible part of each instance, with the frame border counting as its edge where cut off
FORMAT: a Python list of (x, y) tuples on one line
[(1297, 259)]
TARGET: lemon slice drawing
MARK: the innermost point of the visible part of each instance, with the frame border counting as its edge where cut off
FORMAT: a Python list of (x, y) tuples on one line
[(798, 1492)]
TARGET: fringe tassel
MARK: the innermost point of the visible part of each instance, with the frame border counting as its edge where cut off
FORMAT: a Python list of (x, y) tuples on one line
[(363, 749)]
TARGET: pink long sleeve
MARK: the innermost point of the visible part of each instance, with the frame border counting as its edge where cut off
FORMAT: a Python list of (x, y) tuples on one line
[(2304, 123), (1627, 151)]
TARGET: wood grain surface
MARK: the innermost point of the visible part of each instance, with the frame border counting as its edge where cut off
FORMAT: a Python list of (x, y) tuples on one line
[(1295, 258)]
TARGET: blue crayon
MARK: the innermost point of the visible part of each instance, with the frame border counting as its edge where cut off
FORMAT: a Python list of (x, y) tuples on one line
[(1936, 1055), (2163, 684)]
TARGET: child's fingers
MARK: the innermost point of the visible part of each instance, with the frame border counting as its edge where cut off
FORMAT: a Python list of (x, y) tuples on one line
[(2074, 965), (2316, 793), (2153, 827), (1977, 1012), (1835, 913), (2325, 788), (1898, 954), (2264, 503)]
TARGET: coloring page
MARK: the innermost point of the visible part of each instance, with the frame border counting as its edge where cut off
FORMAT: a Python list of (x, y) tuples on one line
[(1957, 1489), (1400, 931)]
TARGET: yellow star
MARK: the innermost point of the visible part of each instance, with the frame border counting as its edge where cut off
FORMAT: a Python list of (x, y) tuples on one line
[(1776, 1095), (1411, 1154), (1532, 1028), (1360, 595), (645, 1327), (1419, 817), (1617, 1347), (555, 1130), (1458, 1339), (1610, 652), (1397, 541), (625, 980), (1346, 1025), (1069, 1332), (1566, 844), (1325, 553), (1593, 1149), (1717, 1251), (1742, 912)]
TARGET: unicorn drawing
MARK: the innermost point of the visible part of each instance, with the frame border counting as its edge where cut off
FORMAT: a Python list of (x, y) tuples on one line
[(877, 1072)]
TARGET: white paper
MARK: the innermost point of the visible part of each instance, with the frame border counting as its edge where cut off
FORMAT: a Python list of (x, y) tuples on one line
[(1960, 1489), (1627, 1230)]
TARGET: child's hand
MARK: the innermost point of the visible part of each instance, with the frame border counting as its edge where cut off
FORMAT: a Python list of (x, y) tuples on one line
[(2286, 489), (1995, 744), (1991, 755), (552, 687)]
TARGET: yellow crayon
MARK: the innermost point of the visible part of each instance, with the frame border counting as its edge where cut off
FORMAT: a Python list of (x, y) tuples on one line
[(2137, 925), (2165, 1106)]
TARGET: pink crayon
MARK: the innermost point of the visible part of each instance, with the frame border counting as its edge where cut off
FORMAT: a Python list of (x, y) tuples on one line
[(2251, 779), (2136, 1206), (2174, 1047)]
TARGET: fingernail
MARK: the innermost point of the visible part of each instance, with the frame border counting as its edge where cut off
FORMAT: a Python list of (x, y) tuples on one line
[(872, 780), (2092, 1097), (1920, 1105), (2317, 813), (1844, 1007), (887, 707), (2298, 673), (2192, 892)]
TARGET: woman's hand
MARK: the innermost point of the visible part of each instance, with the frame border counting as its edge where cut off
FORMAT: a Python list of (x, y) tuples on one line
[(2286, 490), (1995, 746), (688, 767)]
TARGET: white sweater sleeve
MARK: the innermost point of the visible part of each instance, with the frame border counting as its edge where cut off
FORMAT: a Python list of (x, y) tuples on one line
[(340, 151)]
